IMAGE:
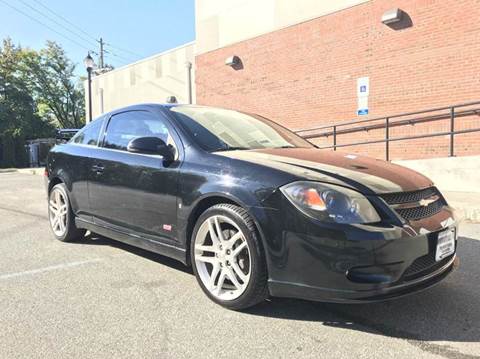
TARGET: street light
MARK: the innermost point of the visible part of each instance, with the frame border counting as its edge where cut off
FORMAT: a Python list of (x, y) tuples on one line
[(89, 66)]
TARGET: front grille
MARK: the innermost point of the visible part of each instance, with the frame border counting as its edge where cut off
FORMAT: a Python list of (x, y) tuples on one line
[(423, 266), (400, 202), (421, 212), (408, 197)]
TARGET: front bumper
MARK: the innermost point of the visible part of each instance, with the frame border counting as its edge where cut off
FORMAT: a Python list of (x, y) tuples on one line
[(354, 263), (301, 291)]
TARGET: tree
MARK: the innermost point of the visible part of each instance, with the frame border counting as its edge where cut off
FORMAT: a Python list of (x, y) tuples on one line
[(18, 117), (38, 92), (50, 75)]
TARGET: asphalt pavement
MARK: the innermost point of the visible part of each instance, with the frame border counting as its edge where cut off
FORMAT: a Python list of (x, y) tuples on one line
[(99, 299)]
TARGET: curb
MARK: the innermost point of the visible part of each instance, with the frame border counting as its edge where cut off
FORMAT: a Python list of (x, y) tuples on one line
[(32, 171), (467, 214)]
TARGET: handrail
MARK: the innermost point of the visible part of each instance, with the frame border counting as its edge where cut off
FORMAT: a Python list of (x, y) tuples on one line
[(387, 124)]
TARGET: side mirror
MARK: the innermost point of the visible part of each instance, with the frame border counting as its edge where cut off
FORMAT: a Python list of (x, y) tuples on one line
[(151, 146)]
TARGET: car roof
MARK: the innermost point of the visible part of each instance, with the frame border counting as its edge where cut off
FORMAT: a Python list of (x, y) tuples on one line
[(151, 104)]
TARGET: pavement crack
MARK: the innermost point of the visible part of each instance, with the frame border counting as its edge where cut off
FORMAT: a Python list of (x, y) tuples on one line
[(17, 211)]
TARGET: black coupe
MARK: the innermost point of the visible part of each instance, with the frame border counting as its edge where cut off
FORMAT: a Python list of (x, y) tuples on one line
[(253, 208)]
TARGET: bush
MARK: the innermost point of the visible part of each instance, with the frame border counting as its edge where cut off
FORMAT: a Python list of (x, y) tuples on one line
[(13, 152), (21, 154), (8, 151)]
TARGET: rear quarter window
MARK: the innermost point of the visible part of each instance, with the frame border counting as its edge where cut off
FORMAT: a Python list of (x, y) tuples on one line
[(89, 135)]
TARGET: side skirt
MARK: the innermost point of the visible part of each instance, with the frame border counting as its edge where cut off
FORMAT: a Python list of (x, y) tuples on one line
[(168, 250)]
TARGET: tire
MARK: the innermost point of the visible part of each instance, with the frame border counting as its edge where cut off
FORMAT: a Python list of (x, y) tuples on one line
[(230, 268), (62, 224)]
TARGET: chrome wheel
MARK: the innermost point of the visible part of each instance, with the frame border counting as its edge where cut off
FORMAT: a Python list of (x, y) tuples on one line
[(58, 212), (222, 257)]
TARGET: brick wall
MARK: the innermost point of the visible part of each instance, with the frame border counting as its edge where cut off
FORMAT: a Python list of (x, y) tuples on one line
[(305, 75)]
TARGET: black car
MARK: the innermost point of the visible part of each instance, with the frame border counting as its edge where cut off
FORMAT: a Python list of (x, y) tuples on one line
[(253, 208)]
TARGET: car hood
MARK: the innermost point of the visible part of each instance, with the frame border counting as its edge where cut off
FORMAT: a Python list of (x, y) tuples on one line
[(368, 175)]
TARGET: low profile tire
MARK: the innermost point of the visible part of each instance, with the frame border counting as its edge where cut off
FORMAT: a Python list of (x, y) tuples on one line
[(227, 257), (61, 217)]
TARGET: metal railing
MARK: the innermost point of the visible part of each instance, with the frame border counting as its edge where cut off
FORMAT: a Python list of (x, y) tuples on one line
[(451, 114)]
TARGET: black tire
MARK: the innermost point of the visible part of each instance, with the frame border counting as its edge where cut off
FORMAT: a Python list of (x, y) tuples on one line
[(256, 290), (71, 233)]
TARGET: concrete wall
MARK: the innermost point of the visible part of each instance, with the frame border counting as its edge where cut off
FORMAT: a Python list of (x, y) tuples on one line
[(305, 75), (150, 80), (459, 174), (223, 22)]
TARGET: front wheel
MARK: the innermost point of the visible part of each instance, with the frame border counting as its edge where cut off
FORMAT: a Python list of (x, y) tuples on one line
[(227, 257), (60, 214)]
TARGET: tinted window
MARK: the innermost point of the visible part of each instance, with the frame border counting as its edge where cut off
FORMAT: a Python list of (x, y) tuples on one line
[(126, 126), (218, 129), (90, 134)]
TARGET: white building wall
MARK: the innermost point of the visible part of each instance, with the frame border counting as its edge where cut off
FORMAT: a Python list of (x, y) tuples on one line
[(219, 23), (150, 80)]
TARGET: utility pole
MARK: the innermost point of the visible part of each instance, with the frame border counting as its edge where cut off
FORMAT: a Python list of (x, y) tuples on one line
[(188, 65), (100, 56)]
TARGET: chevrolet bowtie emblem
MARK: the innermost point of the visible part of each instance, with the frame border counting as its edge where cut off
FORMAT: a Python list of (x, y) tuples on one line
[(425, 202)]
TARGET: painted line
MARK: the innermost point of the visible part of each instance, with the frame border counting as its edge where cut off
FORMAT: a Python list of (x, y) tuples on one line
[(48, 269)]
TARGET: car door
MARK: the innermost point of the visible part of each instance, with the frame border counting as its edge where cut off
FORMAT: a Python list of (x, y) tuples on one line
[(131, 192), (75, 161)]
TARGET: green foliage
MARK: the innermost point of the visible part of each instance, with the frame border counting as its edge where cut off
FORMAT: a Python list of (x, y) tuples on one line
[(8, 152), (49, 75), (21, 155), (38, 93)]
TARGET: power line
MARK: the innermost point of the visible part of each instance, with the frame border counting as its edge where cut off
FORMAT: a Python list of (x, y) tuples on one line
[(83, 38), (65, 20), (45, 25), (124, 60), (125, 51), (84, 32), (118, 56)]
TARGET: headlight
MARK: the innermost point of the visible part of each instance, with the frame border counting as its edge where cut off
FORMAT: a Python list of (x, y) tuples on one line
[(330, 202)]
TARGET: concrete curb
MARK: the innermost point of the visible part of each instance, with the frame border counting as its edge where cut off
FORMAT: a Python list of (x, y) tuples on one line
[(32, 171), (8, 170), (467, 204)]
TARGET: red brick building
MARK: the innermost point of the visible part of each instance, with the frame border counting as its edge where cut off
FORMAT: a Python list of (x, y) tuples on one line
[(305, 74)]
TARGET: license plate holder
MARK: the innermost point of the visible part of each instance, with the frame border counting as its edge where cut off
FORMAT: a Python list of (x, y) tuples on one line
[(445, 244)]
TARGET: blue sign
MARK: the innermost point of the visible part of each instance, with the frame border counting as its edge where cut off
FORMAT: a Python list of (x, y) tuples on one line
[(363, 88), (362, 111)]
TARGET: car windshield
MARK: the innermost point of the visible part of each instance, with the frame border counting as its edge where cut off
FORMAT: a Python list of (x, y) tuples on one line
[(223, 130)]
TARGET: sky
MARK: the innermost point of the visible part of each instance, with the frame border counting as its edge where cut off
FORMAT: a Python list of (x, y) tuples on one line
[(132, 29)]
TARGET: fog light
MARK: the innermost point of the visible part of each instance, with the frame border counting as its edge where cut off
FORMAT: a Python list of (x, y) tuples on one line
[(379, 274)]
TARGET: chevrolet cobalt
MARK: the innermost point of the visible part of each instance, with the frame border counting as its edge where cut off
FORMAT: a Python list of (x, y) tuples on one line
[(256, 210)]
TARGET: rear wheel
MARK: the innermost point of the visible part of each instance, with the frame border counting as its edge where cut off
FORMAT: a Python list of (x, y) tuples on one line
[(62, 219), (227, 257)]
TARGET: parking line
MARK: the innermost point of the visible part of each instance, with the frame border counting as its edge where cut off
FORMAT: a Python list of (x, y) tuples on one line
[(48, 269)]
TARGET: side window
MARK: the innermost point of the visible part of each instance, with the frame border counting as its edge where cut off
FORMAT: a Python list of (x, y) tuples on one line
[(126, 126), (89, 134)]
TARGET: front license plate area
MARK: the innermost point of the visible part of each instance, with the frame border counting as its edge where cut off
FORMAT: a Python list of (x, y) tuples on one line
[(445, 244)]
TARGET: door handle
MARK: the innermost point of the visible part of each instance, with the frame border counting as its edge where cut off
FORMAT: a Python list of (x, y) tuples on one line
[(98, 168)]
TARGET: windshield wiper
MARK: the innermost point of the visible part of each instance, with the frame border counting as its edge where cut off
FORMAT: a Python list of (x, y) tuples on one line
[(232, 148)]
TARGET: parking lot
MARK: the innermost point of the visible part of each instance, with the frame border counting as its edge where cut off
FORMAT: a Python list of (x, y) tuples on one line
[(100, 298)]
